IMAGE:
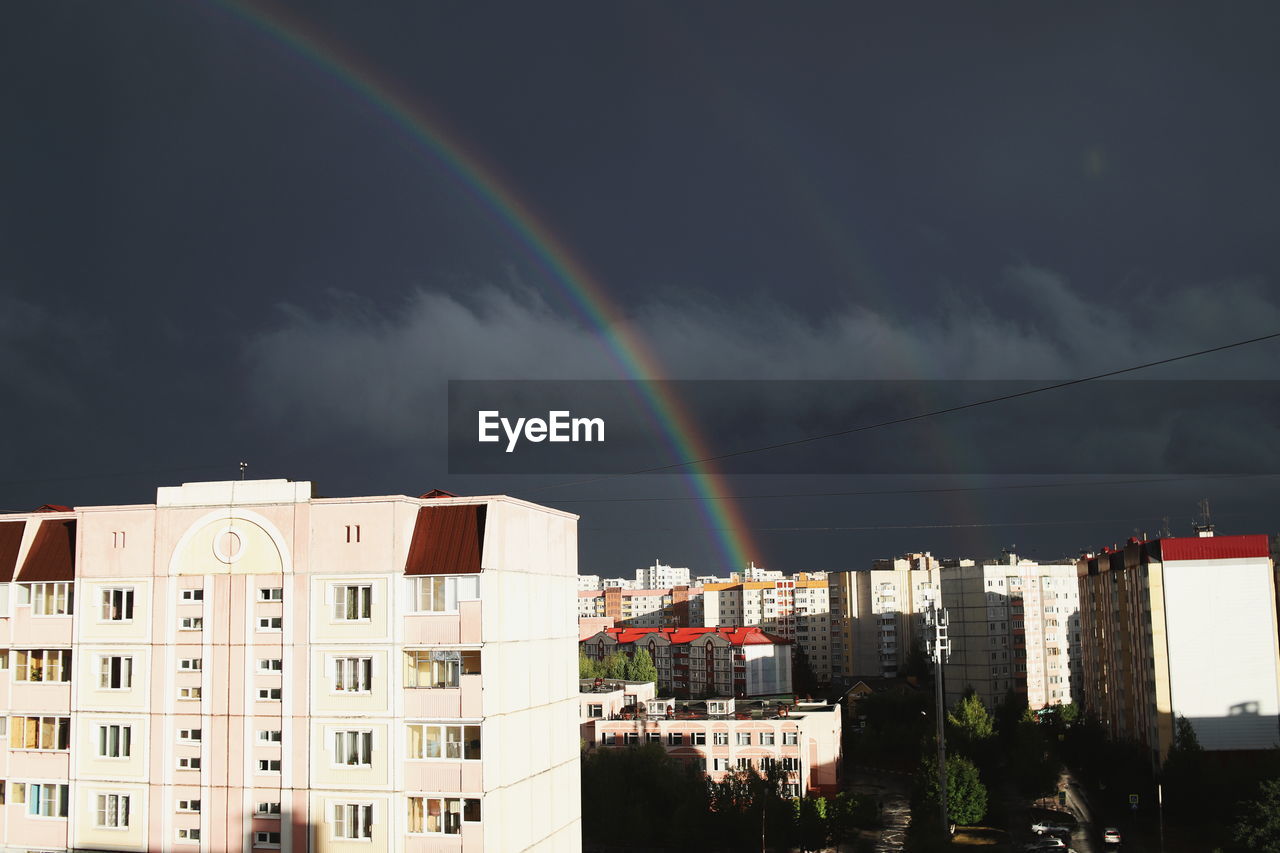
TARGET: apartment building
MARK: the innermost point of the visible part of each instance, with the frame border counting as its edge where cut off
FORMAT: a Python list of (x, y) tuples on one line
[(1185, 627), (589, 582), (243, 666), (672, 607), (1013, 625), (877, 614), (720, 735), (659, 576), (797, 609), (698, 662)]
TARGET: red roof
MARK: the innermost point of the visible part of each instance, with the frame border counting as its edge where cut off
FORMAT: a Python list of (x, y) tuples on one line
[(1214, 547), (748, 636), (447, 540)]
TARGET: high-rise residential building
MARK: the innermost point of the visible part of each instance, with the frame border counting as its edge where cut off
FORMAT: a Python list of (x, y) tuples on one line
[(1013, 625), (659, 576), (877, 613), (797, 609), (244, 666), (1182, 627), (586, 582)]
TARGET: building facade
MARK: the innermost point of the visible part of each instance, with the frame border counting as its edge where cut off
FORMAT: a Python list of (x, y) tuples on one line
[(1013, 625), (720, 735), (1182, 627), (797, 609), (242, 666), (698, 662), (673, 607)]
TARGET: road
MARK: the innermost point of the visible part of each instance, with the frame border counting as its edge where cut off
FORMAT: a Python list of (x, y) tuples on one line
[(891, 789), (1083, 840)]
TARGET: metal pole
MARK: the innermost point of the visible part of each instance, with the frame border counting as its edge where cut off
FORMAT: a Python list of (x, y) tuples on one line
[(1160, 810), (942, 732)]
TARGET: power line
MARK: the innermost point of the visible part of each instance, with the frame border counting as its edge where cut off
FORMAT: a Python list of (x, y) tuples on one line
[(920, 416), (876, 527), (928, 491)]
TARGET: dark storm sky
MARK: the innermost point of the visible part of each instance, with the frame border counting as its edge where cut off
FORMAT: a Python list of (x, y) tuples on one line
[(212, 248)]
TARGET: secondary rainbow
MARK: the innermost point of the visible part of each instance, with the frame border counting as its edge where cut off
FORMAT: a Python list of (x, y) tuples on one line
[(723, 516)]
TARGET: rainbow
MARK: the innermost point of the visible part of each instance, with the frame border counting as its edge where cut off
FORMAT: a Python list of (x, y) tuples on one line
[(723, 517)]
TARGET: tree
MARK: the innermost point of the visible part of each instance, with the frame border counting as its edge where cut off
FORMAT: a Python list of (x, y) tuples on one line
[(803, 679), (1184, 772), (614, 666), (966, 795), (641, 668), (971, 727), (811, 822), (1258, 828), (587, 668)]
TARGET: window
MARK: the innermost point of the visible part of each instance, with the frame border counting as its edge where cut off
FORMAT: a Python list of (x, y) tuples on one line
[(42, 800), (631, 738), (766, 738), (266, 839), (268, 765), (438, 740), (744, 763), (191, 595), (352, 603), (353, 675), (269, 694), (117, 604), (43, 665), (719, 764), (271, 593), (113, 811), (653, 737), (352, 821), (744, 738), (43, 733), (190, 665), (353, 749), (675, 739), (270, 664), (189, 735), (188, 834), (115, 672), (188, 692), (189, 762), (188, 805), (267, 810), (790, 764), (440, 667), (442, 814), (441, 594), (270, 736), (699, 738), (720, 738), (191, 623), (117, 538), (115, 741), (790, 738), (51, 599), (595, 712), (270, 623)]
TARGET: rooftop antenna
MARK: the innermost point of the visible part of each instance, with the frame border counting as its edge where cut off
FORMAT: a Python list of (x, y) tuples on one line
[(244, 466), (1165, 532), (1204, 524)]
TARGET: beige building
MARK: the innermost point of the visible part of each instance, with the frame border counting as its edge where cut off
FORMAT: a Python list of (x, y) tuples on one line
[(877, 614), (797, 609), (1183, 627), (1012, 625), (720, 735), (243, 666)]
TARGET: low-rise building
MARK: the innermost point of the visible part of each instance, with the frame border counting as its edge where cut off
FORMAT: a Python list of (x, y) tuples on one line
[(720, 735), (698, 662)]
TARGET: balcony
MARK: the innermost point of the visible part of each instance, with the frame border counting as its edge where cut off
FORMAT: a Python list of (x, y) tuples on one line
[(445, 702)]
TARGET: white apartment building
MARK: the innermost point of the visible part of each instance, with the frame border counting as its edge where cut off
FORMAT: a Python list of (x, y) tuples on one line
[(589, 582), (659, 576), (877, 614), (1013, 625), (244, 666)]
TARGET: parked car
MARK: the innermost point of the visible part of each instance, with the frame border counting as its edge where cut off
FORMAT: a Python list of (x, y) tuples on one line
[(1050, 829), (1110, 835)]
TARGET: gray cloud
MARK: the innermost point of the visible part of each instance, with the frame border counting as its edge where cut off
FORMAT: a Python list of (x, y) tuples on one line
[(383, 373)]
